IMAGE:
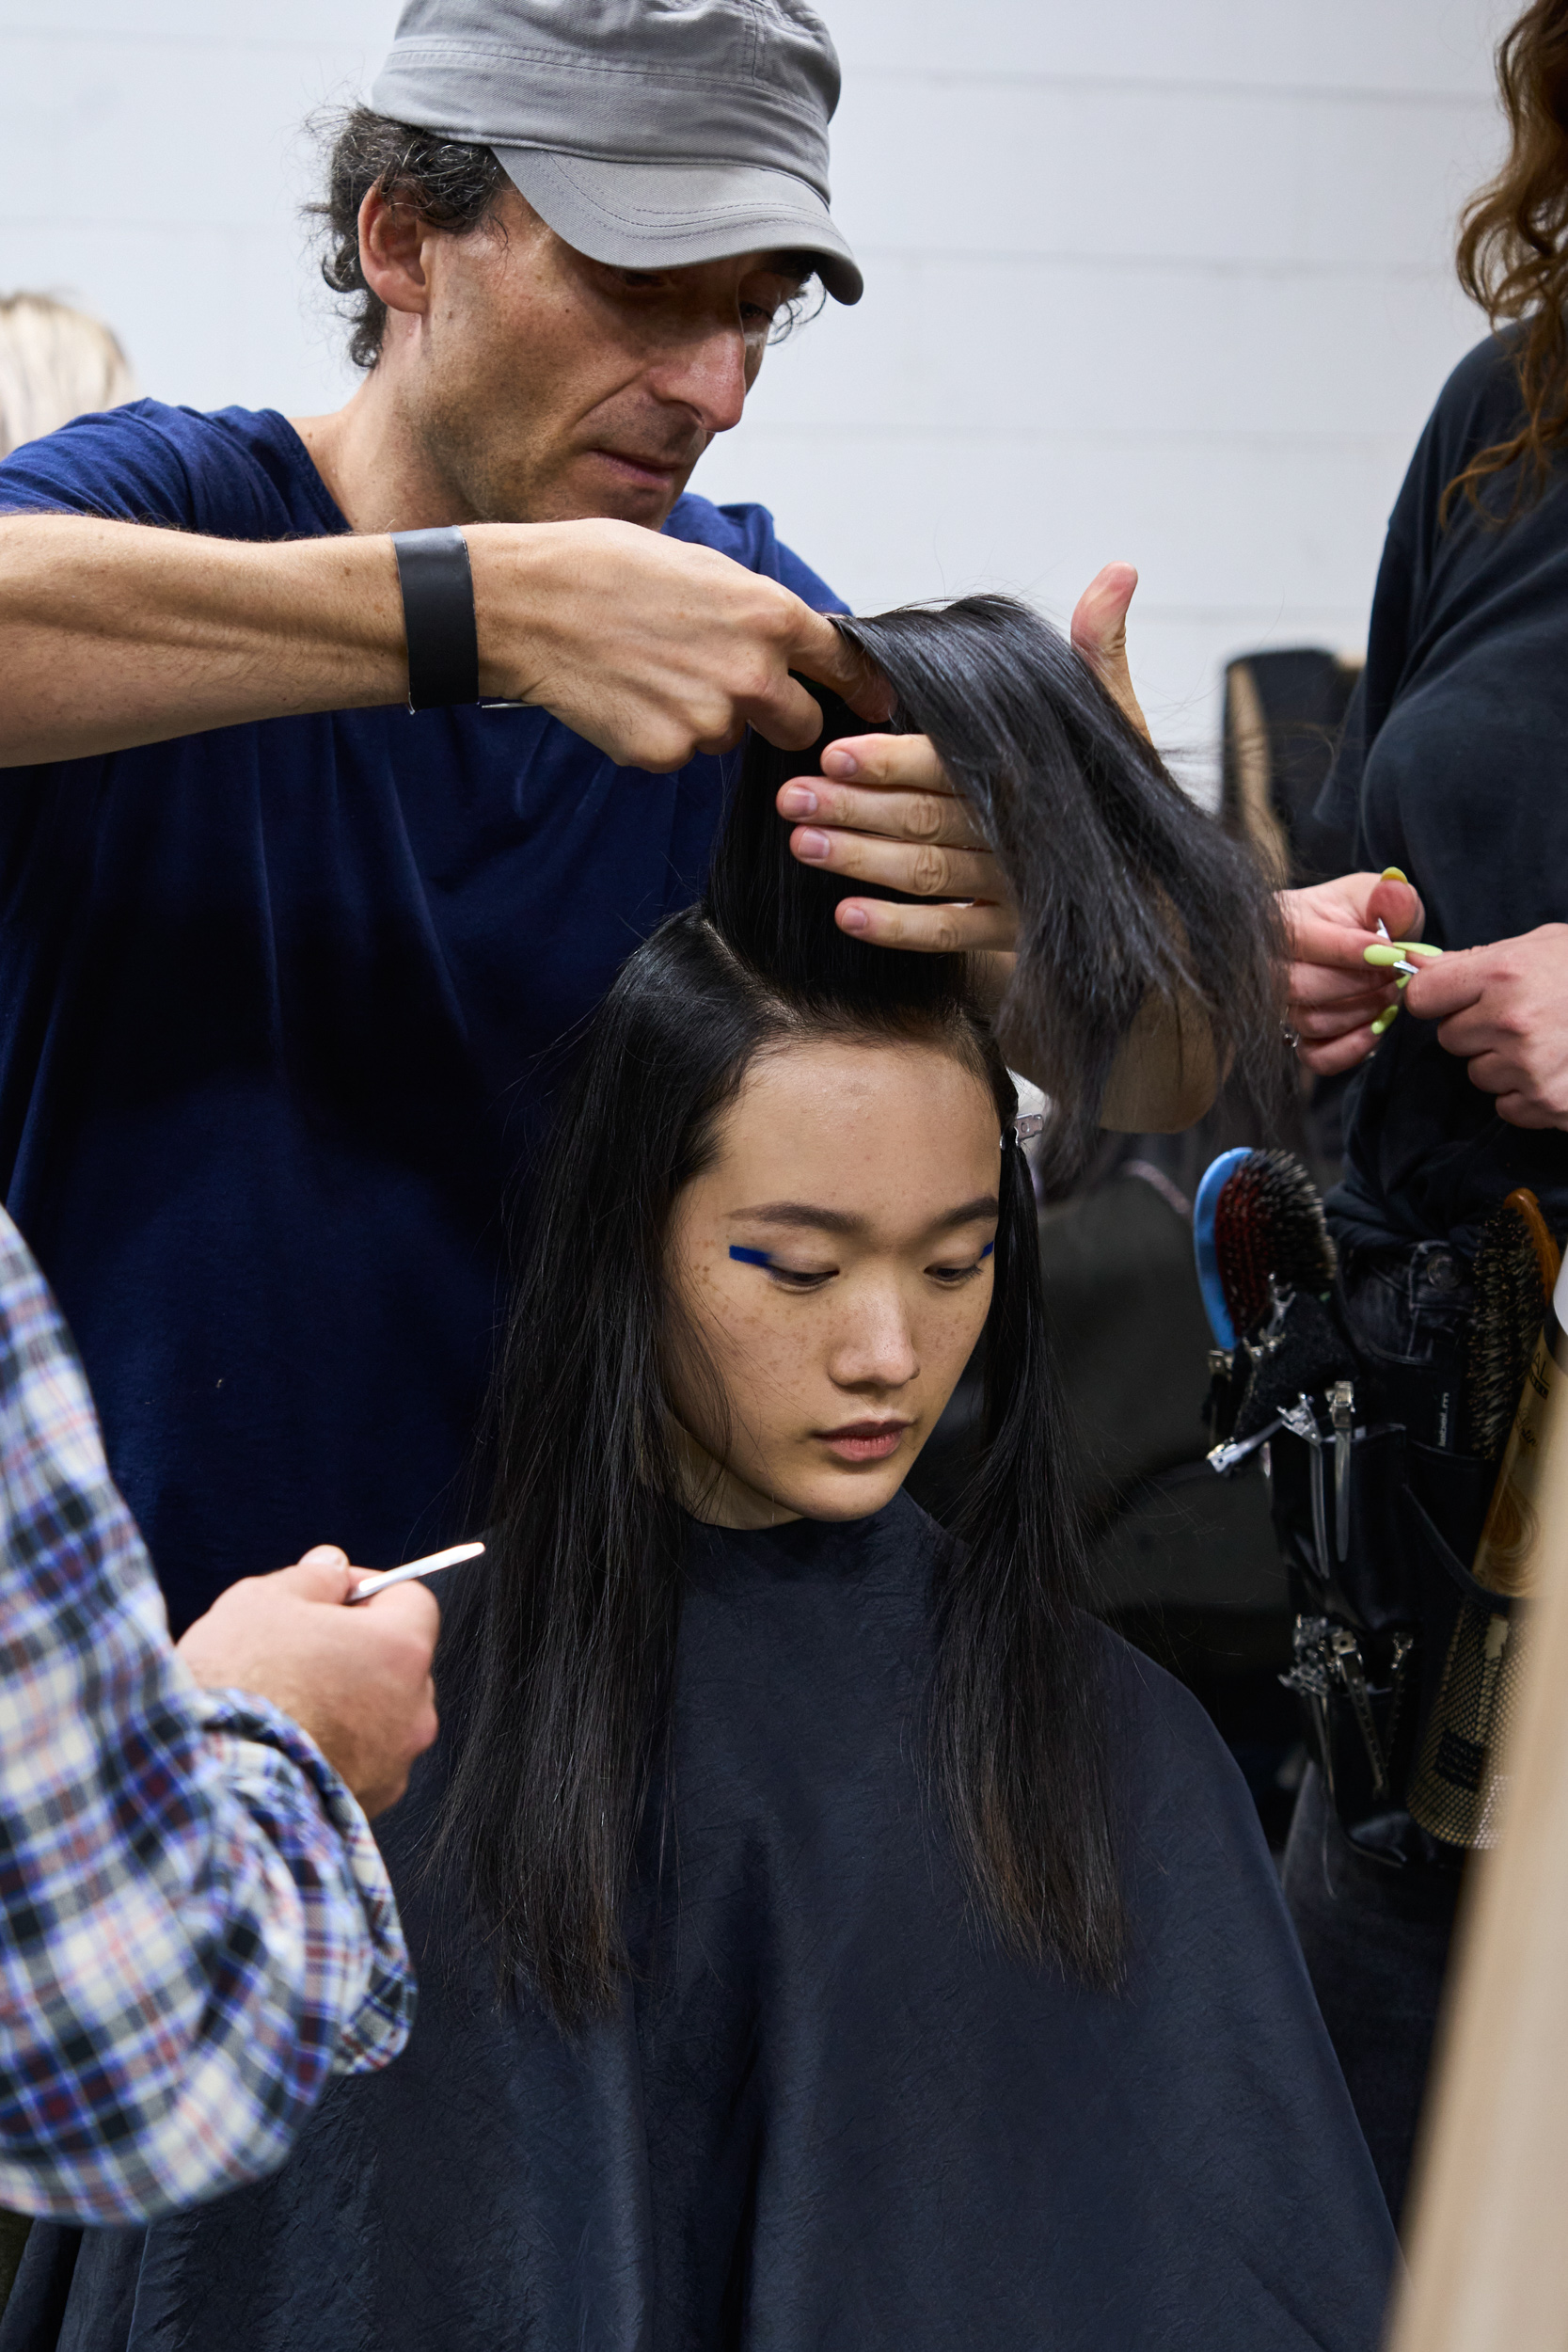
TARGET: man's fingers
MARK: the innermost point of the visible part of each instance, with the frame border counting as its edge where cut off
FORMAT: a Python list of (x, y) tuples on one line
[(786, 715), (820, 651), (897, 816), (1099, 634), (936, 930), (412, 1607), (925, 869), (323, 1573)]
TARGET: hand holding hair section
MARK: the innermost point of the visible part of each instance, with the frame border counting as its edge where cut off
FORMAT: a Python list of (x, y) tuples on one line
[(1149, 941)]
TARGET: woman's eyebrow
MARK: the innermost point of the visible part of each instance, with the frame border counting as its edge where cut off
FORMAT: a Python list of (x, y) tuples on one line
[(799, 1212), (986, 1204), (802, 1214)]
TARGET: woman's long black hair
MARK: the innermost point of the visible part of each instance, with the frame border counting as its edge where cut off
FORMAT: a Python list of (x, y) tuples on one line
[(557, 1684), (1126, 890)]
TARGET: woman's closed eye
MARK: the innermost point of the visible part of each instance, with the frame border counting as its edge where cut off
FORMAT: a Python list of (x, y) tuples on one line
[(951, 1276), (813, 1277), (789, 1277)]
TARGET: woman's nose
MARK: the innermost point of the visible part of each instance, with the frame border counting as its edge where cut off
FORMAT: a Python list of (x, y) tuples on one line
[(876, 1347)]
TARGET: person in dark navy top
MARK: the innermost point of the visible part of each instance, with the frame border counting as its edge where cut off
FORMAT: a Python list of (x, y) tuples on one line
[(280, 1003)]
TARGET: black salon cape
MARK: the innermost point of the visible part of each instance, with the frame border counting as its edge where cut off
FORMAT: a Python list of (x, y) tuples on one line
[(830, 2116), (1455, 769)]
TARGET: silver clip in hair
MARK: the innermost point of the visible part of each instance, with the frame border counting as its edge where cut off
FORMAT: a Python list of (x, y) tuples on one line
[(1028, 1124)]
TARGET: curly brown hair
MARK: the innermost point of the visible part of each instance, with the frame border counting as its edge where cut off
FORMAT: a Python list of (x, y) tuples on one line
[(1514, 249), (447, 183)]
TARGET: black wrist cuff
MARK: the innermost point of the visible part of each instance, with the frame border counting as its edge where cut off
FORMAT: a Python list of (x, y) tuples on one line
[(439, 617)]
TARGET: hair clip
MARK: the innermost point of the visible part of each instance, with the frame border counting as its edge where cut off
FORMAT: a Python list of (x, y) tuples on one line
[(1027, 1125)]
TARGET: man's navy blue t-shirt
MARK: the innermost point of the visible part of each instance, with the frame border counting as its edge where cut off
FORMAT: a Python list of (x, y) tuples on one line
[(281, 1009)]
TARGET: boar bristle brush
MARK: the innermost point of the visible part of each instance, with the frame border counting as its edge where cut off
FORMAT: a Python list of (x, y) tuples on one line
[(1514, 1272), (1266, 1262), (1270, 1237)]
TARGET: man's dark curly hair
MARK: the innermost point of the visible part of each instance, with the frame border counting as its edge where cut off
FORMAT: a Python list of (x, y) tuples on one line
[(444, 181), (447, 183)]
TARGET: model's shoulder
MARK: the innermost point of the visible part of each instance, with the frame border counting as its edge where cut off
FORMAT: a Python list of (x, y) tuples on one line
[(1150, 1709), (746, 534), (906, 1526)]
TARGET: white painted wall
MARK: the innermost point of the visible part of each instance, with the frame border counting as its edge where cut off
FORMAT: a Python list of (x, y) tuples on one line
[(1167, 280)]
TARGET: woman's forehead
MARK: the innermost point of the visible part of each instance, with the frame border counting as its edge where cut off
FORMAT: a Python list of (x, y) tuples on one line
[(862, 1114)]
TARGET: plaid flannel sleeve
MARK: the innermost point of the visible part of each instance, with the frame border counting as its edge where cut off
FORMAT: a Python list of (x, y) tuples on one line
[(195, 1925)]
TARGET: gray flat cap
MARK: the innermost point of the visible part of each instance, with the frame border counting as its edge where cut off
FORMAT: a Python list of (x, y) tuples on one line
[(646, 133)]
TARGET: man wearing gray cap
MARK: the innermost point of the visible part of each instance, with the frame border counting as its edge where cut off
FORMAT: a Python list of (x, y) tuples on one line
[(648, 136), (352, 755), (286, 970)]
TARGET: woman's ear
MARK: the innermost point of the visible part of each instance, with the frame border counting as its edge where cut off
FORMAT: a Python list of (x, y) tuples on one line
[(392, 241)]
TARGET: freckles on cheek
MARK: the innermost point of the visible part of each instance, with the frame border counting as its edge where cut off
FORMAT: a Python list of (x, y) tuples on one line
[(955, 1333), (734, 1313), (752, 1336)]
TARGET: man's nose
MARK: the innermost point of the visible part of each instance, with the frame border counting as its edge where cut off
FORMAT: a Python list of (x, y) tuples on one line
[(706, 374)]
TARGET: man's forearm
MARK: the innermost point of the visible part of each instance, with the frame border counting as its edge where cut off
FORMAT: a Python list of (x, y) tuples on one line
[(113, 634)]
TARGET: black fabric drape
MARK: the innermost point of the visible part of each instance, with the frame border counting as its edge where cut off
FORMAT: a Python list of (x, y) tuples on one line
[(828, 2114)]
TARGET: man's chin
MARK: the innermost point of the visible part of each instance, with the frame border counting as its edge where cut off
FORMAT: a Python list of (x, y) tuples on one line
[(599, 489)]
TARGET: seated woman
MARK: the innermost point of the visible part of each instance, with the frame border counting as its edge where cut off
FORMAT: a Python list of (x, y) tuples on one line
[(828, 1935)]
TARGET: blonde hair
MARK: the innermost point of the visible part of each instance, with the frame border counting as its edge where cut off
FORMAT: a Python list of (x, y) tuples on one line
[(55, 363)]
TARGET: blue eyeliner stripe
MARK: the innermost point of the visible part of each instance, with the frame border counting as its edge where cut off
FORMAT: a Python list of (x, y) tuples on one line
[(760, 1256)]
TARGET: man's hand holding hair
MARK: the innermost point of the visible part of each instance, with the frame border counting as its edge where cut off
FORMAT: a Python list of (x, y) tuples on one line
[(652, 648), (359, 1680), (884, 811)]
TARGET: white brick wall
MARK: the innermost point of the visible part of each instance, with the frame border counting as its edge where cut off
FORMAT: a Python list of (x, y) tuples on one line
[(1169, 280)]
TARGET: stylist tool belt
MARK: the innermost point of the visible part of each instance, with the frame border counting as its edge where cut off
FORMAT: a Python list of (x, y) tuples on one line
[(1402, 1496)]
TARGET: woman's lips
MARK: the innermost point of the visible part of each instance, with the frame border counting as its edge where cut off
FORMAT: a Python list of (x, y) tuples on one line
[(864, 1440)]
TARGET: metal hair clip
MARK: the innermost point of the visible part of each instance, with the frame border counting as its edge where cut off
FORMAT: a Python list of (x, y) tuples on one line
[(1028, 1124)]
